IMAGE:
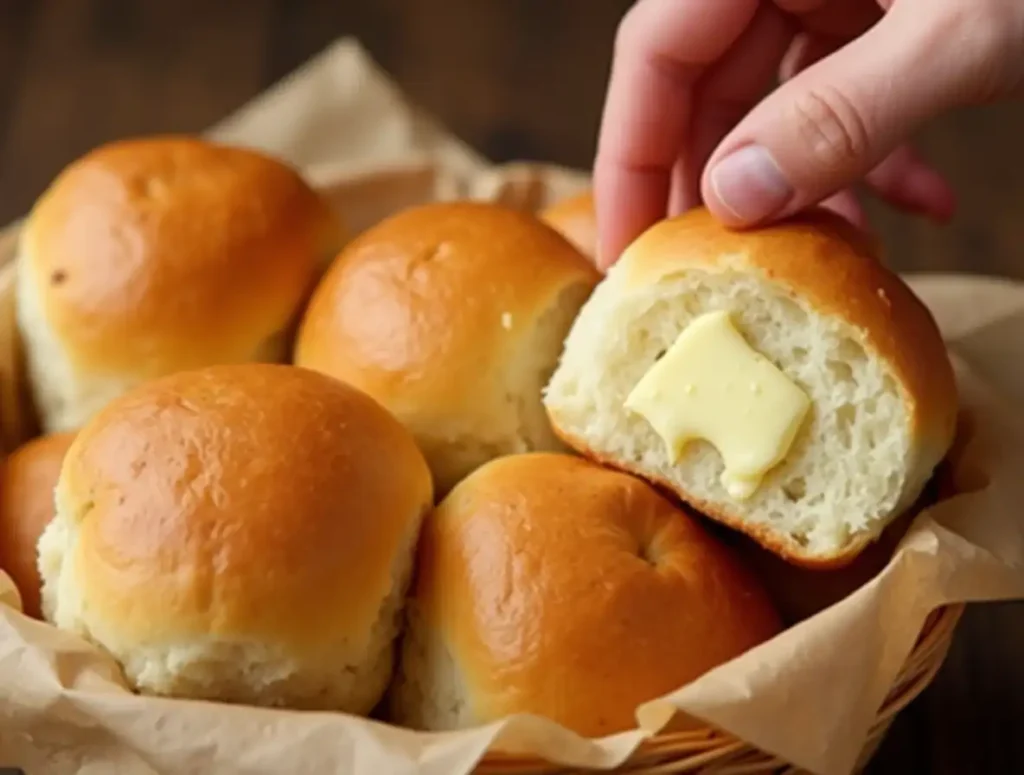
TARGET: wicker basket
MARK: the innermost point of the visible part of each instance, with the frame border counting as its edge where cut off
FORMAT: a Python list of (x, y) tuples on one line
[(709, 751)]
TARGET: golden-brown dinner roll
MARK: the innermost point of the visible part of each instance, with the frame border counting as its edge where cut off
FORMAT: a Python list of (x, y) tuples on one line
[(782, 380), (240, 533), (451, 315), (27, 478), (547, 584), (151, 256), (575, 219)]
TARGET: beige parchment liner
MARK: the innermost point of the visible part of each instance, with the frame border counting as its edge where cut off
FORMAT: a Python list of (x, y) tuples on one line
[(808, 696)]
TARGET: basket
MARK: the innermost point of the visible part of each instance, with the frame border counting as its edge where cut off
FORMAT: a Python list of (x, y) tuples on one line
[(710, 751)]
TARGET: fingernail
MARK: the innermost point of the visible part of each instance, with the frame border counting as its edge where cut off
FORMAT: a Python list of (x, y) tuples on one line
[(750, 184)]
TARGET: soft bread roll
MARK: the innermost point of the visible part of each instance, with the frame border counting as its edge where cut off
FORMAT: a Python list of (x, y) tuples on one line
[(151, 256), (452, 315), (811, 297), (240, 533), (575, 219), (27, 479), (547, 584)]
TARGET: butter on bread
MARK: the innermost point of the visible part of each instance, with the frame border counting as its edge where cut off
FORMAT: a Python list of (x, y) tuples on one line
[(710, 384), (810, 298)]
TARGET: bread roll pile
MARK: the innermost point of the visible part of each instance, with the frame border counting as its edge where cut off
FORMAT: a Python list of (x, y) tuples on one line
[(442, 471)]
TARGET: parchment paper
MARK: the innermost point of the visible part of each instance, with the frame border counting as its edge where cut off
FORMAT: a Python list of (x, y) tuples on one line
[(809, 696)]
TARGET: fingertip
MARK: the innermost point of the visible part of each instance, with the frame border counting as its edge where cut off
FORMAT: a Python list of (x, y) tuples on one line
[(611, 242), (604, 258), (746, 187), (611, 238)]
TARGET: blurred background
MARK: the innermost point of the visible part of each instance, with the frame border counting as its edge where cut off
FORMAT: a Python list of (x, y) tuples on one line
[(516, 80)]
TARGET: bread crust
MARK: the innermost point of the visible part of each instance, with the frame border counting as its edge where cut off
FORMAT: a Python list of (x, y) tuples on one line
[(415, 304), (166, 253), (433, 310), (240, 503)]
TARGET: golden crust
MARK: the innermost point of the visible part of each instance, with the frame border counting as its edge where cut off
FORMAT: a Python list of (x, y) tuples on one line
[(577, 592), (27, 479), (241, 502), (575, 219), (421, 310), (167, 253)]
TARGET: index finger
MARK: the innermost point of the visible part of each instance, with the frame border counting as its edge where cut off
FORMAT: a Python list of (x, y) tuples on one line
[(662, 47)]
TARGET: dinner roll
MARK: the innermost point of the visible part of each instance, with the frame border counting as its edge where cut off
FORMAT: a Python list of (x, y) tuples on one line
[(27, 478), (549, 585), (452, 315), (242, 533), (151, 256), (782, 380), (574, 218)]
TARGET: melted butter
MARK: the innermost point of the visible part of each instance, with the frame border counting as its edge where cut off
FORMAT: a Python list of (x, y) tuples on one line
[(711, 385)]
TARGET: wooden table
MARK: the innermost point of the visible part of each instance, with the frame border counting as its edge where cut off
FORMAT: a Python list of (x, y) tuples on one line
[(516, 80)]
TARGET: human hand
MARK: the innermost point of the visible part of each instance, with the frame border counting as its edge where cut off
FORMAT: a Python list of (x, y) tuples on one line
[(684, 120)]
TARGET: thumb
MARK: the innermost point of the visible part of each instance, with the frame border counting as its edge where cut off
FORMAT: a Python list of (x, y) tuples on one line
[(829, 125)]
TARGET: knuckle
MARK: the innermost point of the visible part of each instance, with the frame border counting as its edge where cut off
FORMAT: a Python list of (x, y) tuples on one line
[(831, 128)]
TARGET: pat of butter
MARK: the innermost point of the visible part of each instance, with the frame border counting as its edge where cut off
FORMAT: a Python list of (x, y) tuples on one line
[(712, 385)]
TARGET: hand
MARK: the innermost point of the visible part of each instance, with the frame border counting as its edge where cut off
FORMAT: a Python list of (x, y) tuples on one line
[(685, 122)]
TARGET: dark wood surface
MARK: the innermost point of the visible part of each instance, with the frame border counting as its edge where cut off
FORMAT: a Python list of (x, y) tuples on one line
[(516, 80)]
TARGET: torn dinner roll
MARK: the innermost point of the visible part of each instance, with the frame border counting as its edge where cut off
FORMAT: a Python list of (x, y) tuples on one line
[(240, 533), (452, 315), (781, 380), (547, 584), (154, 255)]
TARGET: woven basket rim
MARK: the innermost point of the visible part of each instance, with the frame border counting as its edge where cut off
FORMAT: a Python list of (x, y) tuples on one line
[(693, 749)]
